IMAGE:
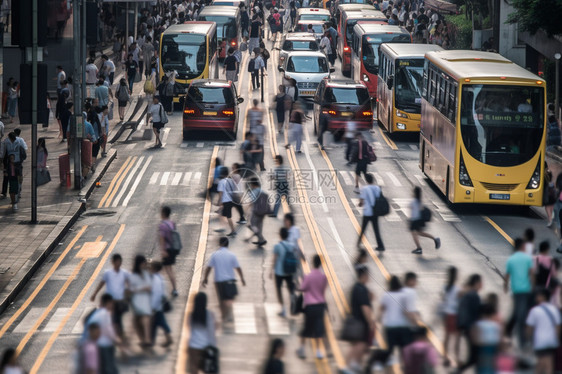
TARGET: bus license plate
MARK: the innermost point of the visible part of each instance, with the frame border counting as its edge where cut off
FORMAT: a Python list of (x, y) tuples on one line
[(209, 113), (499, 196), (347, 114), (308, 93)]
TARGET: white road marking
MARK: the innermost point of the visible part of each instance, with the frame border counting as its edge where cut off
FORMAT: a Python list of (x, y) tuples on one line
[(79, 326), (200, 145), (165, 136), (186, 178), (137, 181), (164, 180), (176, 180), (244, 318), (129, 147), (445, 212), (154, 177), (183, 145), (355, 202), (394, 180), (197, 178), (347, 179), (414, 147), (28, 321), (127, 181), (377, 145), (276, 325), (345, 255), (421, 179), (378, 179), (55, 319)]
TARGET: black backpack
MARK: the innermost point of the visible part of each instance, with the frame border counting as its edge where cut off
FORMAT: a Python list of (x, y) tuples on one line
[(289, 261), (251, 65), (542, 274)]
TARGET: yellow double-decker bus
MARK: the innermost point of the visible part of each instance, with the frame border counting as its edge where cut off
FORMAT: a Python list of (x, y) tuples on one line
[(399, 86), (189, 49), (483, 128)]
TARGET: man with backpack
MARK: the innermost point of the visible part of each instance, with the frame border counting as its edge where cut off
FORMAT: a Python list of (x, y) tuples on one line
[(284, 266), (362, 155), (170, 245), (260, 208)]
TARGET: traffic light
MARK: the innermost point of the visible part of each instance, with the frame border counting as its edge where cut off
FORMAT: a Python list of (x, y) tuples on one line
[(21, 25), (24, 103)]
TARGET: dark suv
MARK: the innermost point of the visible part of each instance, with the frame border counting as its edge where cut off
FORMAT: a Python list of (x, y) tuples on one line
[(211, 105), (339, 101)]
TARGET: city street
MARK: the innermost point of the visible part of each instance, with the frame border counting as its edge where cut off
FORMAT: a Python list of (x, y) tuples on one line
[(46, 319)]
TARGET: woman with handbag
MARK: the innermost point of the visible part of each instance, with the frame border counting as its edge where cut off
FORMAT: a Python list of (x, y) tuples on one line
[(43, 175), (417, 222), (140, 286), (202, 326), (313, 287)]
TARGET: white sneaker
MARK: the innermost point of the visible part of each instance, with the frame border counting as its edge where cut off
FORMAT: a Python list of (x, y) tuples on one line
[(15, 207), (319, 354), (300, 353)]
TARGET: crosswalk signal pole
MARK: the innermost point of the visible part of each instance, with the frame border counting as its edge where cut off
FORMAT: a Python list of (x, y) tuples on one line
[(34, 41), (76, 128)]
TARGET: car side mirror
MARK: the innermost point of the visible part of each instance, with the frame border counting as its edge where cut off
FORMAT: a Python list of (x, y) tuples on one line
[(240, 100), (390, 82), (332, 70), (280, 68)]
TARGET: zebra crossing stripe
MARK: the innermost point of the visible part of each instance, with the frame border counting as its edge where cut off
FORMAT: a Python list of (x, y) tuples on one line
[(394, 180), (346, 177), (378, 179), (244, 319), (164, 180), (55, 319), (154, 177), (28, 321), (176, 180), (197, 177), (186, 178), (276, 325)]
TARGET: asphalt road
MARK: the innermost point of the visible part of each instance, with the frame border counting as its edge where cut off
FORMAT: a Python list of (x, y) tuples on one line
[(46, 320)]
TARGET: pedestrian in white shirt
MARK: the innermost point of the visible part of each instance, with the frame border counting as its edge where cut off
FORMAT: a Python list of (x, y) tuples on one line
[(543, 324), (116, 282), (411, 295), (158, 299), (108, 338), (91, 73), (157, 113), (367, 199), (202, 335)]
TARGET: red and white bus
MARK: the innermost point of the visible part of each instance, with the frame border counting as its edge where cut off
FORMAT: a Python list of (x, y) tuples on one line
[(366, 40), (348, 19)]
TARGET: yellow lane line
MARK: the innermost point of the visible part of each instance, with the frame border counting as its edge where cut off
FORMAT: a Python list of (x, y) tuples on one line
[(118, 183), (43, 282), (77, 302), (500, 230), (181, 363), (388, 140), (52, 304), (431, 335), (113, 182)]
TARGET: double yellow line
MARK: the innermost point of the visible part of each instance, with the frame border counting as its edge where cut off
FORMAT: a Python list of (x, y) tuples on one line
[(116, 182)]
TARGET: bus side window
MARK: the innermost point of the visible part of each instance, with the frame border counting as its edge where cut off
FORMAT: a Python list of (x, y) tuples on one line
[(432, 88), (452, 102), (442, 85), (425, 84)]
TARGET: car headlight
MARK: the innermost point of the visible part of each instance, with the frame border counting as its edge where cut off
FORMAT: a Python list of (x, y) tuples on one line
[(400, 114), (365, 78)]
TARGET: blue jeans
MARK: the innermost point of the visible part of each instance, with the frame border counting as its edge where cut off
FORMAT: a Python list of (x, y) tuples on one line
[(280, 192), (521, 306), (12, 104), (159, 320), (131, 82)]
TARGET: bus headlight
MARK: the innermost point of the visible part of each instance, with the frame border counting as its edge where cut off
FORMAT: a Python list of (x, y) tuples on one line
[(535, 180), (400, 114), (400, 126), (464, 178), (365, 78)]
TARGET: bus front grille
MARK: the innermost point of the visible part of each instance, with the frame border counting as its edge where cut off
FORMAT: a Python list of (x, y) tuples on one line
[(499, 187)]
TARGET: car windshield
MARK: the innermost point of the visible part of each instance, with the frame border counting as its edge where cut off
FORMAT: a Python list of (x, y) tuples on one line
[(371, 44), (316, 28), (314, 17), (353, 95), (307, 64), (502, 125), (210, 95), (295, 45), (226, 26), (184, 53), (408, 82)]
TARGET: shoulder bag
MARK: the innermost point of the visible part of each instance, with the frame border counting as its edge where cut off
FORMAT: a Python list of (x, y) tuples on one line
[(381, 207)]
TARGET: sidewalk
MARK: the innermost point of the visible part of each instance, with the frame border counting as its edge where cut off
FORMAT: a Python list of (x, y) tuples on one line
[(24, 246)]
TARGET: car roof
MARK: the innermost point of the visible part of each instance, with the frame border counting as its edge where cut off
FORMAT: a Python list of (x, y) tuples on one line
[(218, 83), (222, 10), (300, 36), (345, 83), (314, 10), (365, 13), (306, 53), (406, 50), (311, 22)]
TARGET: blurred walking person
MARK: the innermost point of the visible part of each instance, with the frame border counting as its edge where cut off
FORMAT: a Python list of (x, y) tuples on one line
[(141, 287), (281, 184), (202, 326), (157, 299), (469, 313), (165, 234), (9, 364), (274, 364), (417, 222), (313, 287), (123, 95), (296, 121), (449, 310), (367, 200), (284, 267), (419, 356)]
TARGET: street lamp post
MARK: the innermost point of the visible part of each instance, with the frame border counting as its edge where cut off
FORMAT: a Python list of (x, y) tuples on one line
[(557, 86)]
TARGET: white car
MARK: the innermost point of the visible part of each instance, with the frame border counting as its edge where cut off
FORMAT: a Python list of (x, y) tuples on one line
[(297, 41), (317, 28), (307, 69), (313, 14)]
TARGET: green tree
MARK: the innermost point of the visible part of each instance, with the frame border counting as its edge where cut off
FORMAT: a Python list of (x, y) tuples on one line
[(532, 15)]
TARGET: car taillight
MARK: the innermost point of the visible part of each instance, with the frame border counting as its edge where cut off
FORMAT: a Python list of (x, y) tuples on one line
[(367, 113), (189, 111), (330, 112), (233, 43), (346, 49), (228, 112)]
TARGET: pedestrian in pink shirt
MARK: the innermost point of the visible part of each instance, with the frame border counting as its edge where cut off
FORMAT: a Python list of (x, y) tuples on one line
[(419, 356), (313, 287)]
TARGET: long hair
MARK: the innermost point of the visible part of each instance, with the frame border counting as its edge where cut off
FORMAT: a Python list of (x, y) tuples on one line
[(275, 345), (199, 313), (41, 144), (139, 260), (451, 278)]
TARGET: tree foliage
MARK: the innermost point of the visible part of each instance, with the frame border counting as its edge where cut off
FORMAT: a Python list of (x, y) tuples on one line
[(532, 15)]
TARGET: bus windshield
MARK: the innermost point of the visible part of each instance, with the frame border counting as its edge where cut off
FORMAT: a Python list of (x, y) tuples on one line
[(502, 125), (408, 82), (370, 48), (307, 64), (185, 53), (226, 26)]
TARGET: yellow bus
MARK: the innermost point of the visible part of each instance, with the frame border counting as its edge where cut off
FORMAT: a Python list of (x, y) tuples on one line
[(483, 128), (189, 49), (399, 84)]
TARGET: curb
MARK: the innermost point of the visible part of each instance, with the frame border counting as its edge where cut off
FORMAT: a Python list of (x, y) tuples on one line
[(56, 236)]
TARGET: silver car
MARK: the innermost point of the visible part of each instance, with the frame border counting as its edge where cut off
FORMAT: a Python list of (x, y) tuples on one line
[(297, 41), (307, 69)]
